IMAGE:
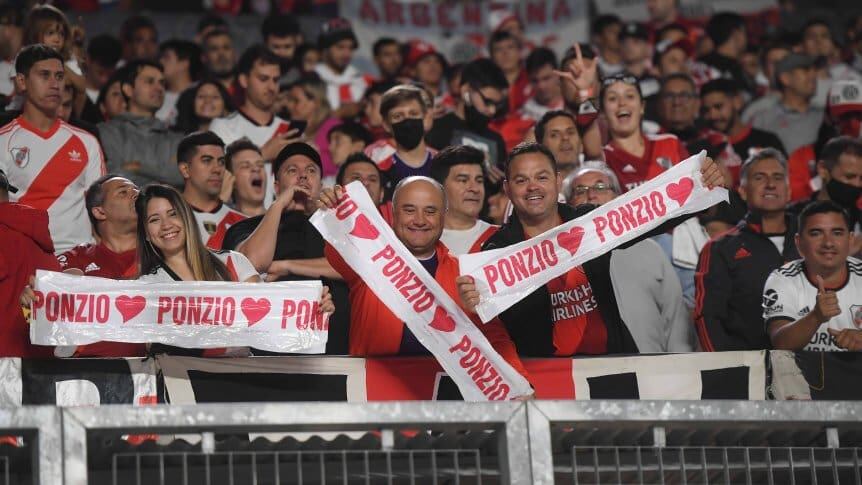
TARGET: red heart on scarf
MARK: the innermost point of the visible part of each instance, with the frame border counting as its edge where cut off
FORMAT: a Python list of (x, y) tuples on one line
[(254, 310), (130, 306), (571, 240), (363, 228), (442, 321), (681, 190)]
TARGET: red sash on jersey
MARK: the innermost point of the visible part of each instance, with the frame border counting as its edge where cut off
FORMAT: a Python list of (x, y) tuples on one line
[(217, 238), (60, 171)]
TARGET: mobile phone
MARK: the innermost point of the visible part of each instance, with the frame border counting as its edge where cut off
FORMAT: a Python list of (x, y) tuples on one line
[(299, 126)]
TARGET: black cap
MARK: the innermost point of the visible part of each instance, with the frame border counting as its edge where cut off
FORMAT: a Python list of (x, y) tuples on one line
[(634, 29), (335, 31), (4, 183), (296, 148)]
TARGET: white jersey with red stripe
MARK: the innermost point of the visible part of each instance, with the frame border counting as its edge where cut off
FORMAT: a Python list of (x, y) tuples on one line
[(468, 240), (214, 225), (237, 125), (345, 87), (380, 150), (238, 266), (52, 170)]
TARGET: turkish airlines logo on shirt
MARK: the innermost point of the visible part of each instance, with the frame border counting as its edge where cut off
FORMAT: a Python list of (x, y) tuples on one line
[(21, 156)]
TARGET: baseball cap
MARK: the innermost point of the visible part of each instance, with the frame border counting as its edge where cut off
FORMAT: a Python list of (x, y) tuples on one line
[(844, 97), (666, 45), (335, 31), (634, 29), (793, 61), (296, 148), (417, 50), (4, 183)]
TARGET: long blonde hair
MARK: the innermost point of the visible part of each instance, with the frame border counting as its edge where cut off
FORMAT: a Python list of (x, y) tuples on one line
[(204, 264)]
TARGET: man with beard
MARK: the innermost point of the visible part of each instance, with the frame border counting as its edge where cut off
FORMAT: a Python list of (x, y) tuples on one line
[(459, 170), (200, 158), (244, 160), (219, 57), (483, 98), (721, 104), (284, 244)]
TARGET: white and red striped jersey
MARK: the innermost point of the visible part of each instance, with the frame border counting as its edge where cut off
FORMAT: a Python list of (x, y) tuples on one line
[(214, 225), (346, 87), (237, 125), (468, 241), (52, 170)]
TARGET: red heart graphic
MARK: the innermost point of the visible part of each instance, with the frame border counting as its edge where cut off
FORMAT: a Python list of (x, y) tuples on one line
[(362, 228), (680, 191), (254, 310), (571, 240), (442, 321), (130, 306)]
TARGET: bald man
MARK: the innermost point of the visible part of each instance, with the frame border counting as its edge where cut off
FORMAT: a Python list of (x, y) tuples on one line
[(418, 211)]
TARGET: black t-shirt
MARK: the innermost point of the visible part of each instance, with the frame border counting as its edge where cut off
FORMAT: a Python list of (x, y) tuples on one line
[(452, 130), (297, 238), (752, 139)]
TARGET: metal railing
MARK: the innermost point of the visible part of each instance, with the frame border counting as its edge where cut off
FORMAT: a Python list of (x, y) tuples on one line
[(508, 420)]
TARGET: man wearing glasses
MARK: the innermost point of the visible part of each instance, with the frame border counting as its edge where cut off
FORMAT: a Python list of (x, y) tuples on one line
[(650, 296)]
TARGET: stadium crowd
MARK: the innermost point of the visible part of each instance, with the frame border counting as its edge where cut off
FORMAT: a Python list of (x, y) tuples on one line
[(133, 157)]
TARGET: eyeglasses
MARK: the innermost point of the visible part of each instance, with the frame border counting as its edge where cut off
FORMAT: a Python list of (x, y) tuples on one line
[(600, 187), (620, 78), (678, 96)]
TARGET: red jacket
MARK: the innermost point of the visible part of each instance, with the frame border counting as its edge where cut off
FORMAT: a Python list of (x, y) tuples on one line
[(25, 246), (376, 331)]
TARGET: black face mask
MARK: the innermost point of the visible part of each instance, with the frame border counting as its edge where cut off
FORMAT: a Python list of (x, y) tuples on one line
[(474, 118), (843, 194), (408, 133)]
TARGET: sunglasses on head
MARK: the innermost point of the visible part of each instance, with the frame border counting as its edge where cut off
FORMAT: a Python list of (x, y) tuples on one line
[(623, 78)]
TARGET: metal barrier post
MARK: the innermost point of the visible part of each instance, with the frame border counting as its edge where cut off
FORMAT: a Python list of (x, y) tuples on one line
[(47, 458)]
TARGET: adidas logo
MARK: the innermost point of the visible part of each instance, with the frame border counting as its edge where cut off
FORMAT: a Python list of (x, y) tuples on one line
[(629, 169), (74, 155), (804, 311), (741, 253), (92, 267)]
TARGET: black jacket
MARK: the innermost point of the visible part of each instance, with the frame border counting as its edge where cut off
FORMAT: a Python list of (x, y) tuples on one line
[(530, 321), (729, 283)]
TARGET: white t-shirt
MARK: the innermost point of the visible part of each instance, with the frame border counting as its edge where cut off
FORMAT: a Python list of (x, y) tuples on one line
[(52, 170), (237, 264), (790, 295), (346, 87), (236, 125), (214, 225), (460, 241)]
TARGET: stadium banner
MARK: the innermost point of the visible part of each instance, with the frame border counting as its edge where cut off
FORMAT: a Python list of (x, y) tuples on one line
[(78, 382), (358, 232), (507, 275), (460, 30), (278, 317), (695, 376), (636, 10), (830, 376)]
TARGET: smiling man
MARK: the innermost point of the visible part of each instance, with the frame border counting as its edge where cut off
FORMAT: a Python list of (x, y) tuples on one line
[(201, 161), (733, 268), (813, 303)]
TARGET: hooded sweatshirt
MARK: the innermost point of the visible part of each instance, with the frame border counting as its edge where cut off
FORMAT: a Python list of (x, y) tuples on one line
[(25, 246)]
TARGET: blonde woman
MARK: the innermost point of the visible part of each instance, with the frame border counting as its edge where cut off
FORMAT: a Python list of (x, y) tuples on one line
[(306, 101)]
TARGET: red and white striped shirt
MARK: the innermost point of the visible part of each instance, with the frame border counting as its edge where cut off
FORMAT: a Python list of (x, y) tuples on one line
[(52, 170), (214, 225)]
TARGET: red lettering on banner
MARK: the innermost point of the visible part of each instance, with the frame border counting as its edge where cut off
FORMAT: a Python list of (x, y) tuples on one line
[(443, 18), (536, 12), (561, 10), (307, 315), (197, 310), (345, 207), (480, 370), (72, 307), (405, 280), (393, 12), (368, 13), (631, 215), (521, 265), (472, 14), (164, 306), (420, 14)]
